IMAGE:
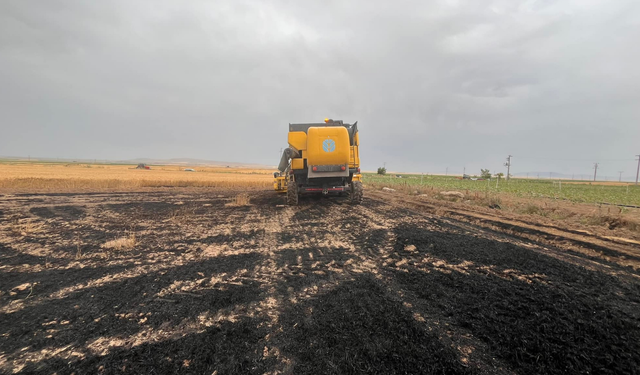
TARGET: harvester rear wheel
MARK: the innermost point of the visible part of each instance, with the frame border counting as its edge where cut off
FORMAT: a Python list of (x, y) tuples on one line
[(292, 193), (357, 192)]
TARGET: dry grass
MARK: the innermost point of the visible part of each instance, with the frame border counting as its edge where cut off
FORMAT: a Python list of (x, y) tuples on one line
[(240, 200), (121, 244), (531, 209), (610, 218), (404, 189), (491, 201), (25, 227), (78, 177), (612, 222)]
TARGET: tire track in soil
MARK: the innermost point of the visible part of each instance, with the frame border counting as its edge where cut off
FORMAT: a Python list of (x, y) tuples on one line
[(549, 246), (567, 279), (367, 238), (70, 352), (626, 253), (346, 233), (271, 220), (300, 268), (325, 287), (472, 352)]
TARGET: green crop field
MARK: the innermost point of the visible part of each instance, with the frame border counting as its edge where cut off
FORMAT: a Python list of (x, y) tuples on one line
[(570, 190)]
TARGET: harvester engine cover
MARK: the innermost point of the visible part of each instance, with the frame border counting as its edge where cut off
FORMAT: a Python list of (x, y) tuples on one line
[(328, 152)]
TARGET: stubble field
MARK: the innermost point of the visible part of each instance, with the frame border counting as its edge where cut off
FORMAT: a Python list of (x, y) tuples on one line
[(195, 280), (20, 177)]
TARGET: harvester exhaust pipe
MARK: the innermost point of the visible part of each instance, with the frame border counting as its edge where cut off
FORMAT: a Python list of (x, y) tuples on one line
[(287, 154)]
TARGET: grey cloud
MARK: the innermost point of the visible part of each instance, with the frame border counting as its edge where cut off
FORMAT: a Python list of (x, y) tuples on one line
[(433, 84)]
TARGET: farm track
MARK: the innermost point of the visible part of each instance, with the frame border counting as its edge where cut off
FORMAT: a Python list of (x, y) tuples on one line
[(391, 286)]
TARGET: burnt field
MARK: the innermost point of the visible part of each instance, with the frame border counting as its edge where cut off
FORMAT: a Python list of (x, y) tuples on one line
[(196, 281)]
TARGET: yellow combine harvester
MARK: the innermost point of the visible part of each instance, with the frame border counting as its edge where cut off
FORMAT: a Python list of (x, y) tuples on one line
[(321, 158)]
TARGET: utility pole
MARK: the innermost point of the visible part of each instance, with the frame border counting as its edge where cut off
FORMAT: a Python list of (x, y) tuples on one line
[(447, 172), (508, 165), (638, 172), (595, 173), (620, 178), (464, 170)]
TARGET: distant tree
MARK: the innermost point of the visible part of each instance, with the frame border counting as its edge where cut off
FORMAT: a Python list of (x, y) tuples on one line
[(484, 173), (499, 175), (382, 170)]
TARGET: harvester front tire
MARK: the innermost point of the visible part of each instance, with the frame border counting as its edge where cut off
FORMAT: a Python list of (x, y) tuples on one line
[(357, 192), (292, 193)]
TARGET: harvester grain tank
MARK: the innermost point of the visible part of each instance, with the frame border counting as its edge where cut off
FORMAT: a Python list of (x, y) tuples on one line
[(322, 158)]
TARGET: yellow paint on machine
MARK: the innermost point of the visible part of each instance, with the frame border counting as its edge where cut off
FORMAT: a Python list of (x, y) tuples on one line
[(280, 184), (354, 159), (298, 140), (317, 155), (297, 163)]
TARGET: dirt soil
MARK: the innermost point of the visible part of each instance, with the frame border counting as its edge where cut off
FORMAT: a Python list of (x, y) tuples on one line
[(190, 281)]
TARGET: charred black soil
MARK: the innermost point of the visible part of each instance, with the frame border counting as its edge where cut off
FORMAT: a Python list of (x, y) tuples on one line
[(186, 281)]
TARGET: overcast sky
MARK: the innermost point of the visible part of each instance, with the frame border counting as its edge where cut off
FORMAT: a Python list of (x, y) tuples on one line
[(432, 84)]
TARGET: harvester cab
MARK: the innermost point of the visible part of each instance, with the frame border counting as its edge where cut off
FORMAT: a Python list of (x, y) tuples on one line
[(322, 158)]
